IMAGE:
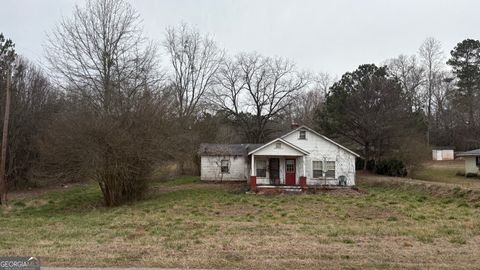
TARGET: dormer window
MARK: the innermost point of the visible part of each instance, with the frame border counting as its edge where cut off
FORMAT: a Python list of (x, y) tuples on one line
[(302, 135)]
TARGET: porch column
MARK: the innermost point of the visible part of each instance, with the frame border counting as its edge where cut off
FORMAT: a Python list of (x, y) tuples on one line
[(253, 177), (303, 179), (252, 168), (304, 171)]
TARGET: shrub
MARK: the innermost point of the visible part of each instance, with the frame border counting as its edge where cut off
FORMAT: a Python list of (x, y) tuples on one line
[(471, 175), (371, 165), (391, 167), (459, 173), (360, 162)]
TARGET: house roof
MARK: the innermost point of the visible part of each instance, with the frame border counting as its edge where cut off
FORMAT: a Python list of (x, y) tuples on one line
[(475, 152), (209, 149), (279, 140), (322, 136), (212, 149)]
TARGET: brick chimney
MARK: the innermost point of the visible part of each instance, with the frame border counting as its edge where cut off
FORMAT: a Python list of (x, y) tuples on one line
[(294, 125)]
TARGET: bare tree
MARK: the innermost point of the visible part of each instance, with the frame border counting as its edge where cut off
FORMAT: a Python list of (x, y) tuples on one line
[(195, 60), (305, 105), (254, 89), (101, 54), (109, 72), (432, 58), (411, 76), (322, 83)]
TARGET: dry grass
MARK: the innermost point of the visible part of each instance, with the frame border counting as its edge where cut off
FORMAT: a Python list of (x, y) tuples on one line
[(188, 224), (446, 172)]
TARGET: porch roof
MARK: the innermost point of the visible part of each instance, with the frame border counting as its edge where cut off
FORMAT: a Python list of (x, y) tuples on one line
[(268, 151), (471, 153)]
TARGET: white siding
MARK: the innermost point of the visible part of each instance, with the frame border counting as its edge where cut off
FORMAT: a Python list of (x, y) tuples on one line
[(470, 165), (323, 150), (447, 154), (272, 150), (210, 168)]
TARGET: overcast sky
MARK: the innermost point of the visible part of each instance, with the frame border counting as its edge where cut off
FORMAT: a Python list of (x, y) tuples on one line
[(321, 36)]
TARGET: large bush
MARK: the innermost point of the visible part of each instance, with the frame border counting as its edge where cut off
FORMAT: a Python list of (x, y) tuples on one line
[(391, 167)]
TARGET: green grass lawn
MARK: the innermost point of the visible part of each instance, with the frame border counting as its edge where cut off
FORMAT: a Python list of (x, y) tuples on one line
[(446, 172), (184, 223)]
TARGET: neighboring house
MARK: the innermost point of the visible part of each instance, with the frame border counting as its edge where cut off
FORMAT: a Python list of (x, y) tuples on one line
[(302, 157), (443, 153), (472, 161)]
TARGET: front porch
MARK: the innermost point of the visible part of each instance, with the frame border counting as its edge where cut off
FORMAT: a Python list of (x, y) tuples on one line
[(271, 189), (282, 167)]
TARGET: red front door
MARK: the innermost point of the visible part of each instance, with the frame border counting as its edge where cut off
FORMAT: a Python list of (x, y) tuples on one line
[(290, 172)]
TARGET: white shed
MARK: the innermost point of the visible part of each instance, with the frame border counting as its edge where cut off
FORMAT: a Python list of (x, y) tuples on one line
[(443, 153)]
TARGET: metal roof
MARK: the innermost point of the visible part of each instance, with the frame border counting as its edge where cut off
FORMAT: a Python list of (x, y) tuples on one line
[(212, 149), (475, 152)]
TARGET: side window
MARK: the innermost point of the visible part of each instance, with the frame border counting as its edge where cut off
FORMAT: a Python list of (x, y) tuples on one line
[(302, 135), (330, 169), (478, 161), (225, 166), (261, 168), (317, 169)]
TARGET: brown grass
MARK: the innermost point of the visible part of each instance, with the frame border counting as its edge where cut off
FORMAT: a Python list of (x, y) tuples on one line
[(187, 224)]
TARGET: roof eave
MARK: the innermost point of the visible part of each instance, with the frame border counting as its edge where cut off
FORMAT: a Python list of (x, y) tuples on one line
[(323, 136), (283, 141)]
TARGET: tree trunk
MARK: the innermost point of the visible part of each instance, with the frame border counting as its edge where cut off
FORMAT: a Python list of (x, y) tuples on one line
[(366, 155), (3, 157)]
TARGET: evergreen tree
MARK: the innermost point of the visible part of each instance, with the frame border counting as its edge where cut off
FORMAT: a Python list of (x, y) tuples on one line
[(465, 63)]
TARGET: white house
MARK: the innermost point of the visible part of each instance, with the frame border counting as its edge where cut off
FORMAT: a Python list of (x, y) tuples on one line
[(472, 161), (302, 158)]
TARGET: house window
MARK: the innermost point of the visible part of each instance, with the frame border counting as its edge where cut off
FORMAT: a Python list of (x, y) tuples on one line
[(302, 135), (278, 145), (225, 166), (261, 168), (330, 169), (478, 161), (317, 169)]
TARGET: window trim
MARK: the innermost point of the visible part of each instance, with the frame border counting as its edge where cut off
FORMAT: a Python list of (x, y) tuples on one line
[(257, 168), (321, 170), (227, 166), (304, 137), (334, 169)]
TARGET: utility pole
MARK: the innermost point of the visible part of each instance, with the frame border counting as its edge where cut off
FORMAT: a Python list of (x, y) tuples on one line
[(3, 157)]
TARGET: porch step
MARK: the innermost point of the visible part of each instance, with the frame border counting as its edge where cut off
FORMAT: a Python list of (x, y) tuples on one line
[(279, 189)]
